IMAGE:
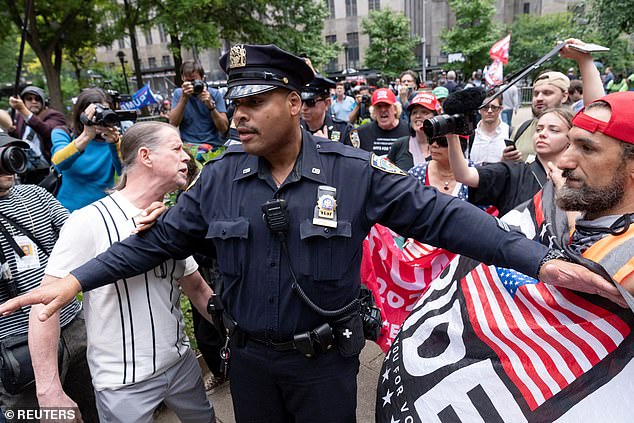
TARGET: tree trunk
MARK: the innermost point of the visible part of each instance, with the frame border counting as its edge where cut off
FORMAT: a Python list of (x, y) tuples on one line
[(135, 58), (178, 58), (53, 81)]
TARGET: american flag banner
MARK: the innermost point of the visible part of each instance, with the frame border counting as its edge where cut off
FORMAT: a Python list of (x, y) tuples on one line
[(488, 344), (398, 275)]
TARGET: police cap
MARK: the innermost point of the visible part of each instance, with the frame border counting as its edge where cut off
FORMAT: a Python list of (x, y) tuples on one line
[(254, 69), (318, 87)]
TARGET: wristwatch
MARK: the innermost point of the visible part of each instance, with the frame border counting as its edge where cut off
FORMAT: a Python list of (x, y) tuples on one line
[(553, 254)]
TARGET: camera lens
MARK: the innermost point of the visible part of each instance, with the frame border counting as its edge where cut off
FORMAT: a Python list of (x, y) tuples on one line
[(442, 125), (12, 160), (199, 86)]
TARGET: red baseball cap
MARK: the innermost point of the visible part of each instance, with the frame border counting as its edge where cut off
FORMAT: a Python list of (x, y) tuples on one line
[(621, 123), (427, 100), (383, 95)]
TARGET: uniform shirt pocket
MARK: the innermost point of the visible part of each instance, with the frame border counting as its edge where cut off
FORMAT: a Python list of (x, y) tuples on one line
[(230, 237), (326, 250)]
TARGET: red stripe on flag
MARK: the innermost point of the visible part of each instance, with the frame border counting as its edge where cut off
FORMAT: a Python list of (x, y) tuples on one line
[(476, 323), (539, 213)]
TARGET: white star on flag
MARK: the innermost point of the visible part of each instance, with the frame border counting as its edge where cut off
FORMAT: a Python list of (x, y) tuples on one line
[(387, 399)]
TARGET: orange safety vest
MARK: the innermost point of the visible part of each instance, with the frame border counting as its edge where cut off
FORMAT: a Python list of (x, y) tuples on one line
[(615, 253)]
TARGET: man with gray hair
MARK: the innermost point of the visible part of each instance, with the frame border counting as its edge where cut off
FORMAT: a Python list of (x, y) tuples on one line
[(138, 352), (451, 83)]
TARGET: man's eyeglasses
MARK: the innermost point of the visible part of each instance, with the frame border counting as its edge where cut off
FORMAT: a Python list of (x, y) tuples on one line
[(441, 141), (491, 108), (312, 102)]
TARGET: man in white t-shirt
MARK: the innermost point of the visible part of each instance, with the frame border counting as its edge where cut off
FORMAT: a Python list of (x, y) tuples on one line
[(488, 141), (138, 352)]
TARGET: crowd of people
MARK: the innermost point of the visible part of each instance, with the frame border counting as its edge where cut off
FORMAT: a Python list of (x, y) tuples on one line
[(276, 226)]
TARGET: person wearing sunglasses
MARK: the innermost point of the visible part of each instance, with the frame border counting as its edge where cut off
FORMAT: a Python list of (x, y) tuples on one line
[(314, 112), (507, 184), (488, 145)]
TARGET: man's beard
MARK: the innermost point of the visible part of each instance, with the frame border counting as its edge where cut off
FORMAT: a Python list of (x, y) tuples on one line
[(592, 200)]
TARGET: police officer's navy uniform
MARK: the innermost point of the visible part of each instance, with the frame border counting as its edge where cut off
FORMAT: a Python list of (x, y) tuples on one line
[(336, 129), (223, 210)]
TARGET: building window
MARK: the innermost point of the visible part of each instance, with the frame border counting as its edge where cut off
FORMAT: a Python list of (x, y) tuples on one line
[(331, 8), (151, 62), (162, 34), (527, 8), (351, 7), (374, 4), (333, 65), (121, 43), (166, 60), (353, 49), (148, 37)]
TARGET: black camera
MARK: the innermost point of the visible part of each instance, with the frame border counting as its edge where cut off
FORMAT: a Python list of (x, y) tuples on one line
[(12, 160), (459, 124), (199, 86), (365, 98), (105, 116)]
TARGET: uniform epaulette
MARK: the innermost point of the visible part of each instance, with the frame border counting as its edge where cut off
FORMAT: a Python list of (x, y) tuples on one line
[(326, 146), (232, 149)]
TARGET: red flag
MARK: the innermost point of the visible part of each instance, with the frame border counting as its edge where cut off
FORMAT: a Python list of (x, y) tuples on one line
[(500, 50)]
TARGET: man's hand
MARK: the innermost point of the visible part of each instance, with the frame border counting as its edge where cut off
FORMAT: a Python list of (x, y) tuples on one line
[(571, 53), (578, 278), (205, 97), (59, 400), (148, 217), (53, 296), (188, 89), (511, 154), (19, 106)]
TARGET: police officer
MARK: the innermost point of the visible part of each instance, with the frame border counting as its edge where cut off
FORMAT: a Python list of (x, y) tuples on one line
[(287, 215), (314, 113)]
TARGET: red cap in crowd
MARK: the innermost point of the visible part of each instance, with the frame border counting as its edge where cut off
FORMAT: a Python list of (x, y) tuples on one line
[(383, 95), (427, 100), (621, 123)]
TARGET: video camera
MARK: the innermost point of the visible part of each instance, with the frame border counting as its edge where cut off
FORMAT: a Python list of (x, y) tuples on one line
[(105, 116), (12, 160), (460, 107)]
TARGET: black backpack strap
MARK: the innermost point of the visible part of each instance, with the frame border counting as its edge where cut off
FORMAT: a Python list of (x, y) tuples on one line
[(523, 127), (470, 144), (26, 232)]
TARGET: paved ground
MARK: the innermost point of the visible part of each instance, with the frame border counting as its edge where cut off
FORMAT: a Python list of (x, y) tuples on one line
[(371, 360)]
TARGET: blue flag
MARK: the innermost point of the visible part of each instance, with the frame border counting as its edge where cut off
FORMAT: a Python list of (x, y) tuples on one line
[(143, 97)]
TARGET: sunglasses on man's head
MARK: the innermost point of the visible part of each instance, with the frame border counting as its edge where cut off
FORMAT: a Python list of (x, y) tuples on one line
[(312, 102), (441, 141)]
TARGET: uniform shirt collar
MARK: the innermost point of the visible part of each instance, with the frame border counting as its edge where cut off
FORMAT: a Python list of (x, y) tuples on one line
[(308, 163)]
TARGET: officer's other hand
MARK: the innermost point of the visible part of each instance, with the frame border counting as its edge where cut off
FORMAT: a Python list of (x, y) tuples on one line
[(57, 399), (146, 219), (511, 154), (18, 105), (53, 296), (188, 89), (578, 278)]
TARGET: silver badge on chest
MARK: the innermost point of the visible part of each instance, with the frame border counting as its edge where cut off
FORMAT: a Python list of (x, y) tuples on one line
[(326, 208)]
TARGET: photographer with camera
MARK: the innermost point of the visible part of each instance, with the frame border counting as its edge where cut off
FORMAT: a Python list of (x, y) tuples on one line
[(87, 156), (199, 112), (361, 112), (34, 121)]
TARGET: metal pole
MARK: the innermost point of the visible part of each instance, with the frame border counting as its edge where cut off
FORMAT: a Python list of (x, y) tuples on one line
[(424, 45), (18, 70), (121, 56)]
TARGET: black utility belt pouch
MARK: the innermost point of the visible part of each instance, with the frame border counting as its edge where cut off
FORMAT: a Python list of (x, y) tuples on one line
[(314, 342), (16, 368), (348, 333)]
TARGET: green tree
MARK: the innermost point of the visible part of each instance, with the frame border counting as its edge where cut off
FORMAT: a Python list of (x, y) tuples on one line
[(613, 17), (473, 33), (53, 26), (391, 49)]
